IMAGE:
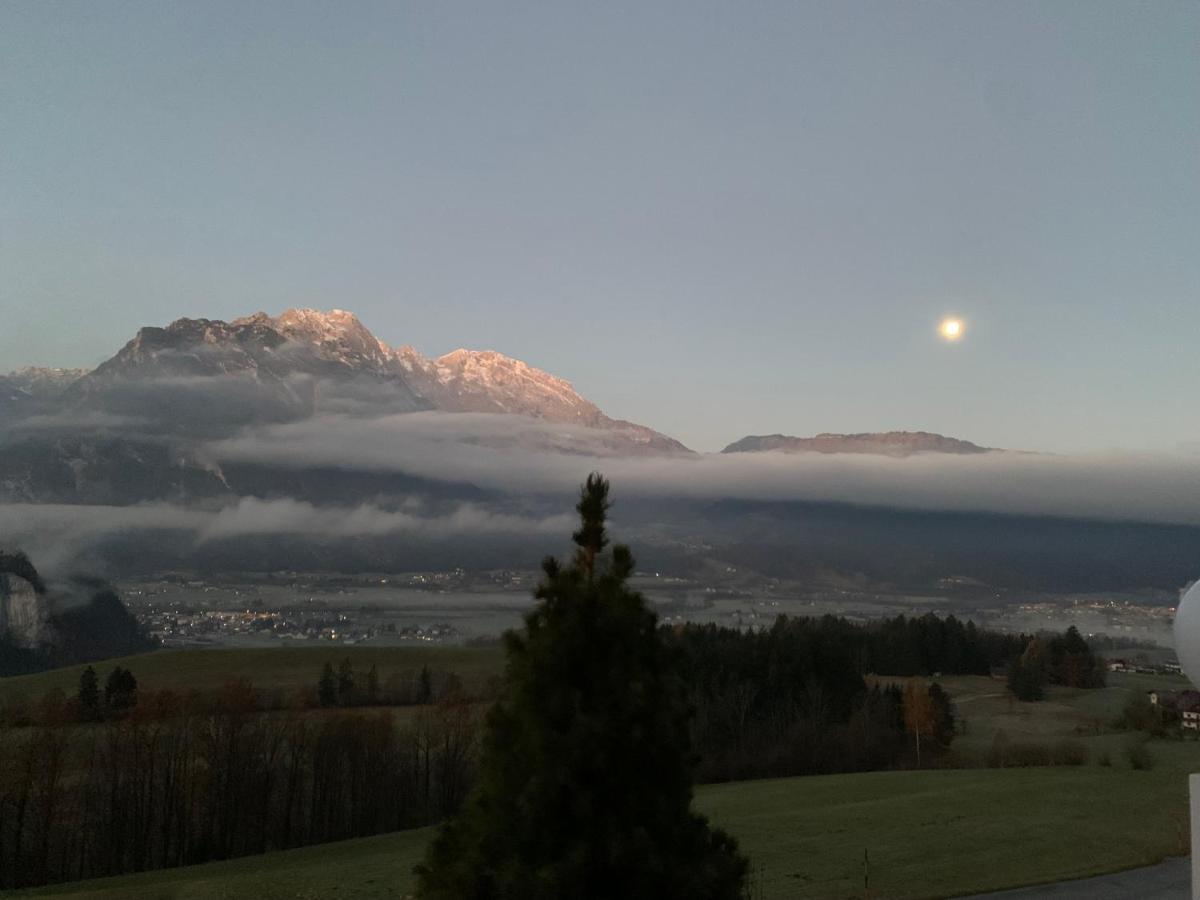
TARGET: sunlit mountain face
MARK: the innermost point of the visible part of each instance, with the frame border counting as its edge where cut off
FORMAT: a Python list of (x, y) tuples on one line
[(136, 428), (304, 362)]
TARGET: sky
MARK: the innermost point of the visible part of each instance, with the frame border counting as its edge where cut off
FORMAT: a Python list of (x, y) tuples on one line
[(714, 219)]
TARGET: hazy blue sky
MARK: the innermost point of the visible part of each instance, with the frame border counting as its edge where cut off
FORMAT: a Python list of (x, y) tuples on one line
[(717, 219)]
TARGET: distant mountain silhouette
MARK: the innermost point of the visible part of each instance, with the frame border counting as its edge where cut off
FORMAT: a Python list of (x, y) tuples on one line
[(887, 443)]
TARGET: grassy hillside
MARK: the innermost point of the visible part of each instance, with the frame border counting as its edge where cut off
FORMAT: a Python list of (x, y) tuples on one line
[(927, 834), (270, 668), (986, 708), (368, 869), (948, 833)]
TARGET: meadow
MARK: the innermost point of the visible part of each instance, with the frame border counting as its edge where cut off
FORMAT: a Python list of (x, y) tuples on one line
[(915, 835), (985, 709)]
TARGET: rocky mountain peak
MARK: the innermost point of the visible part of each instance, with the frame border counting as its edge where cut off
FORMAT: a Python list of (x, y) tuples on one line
[(487, 381), (198, 374), (491, 366), (334, 325), (336, 335)]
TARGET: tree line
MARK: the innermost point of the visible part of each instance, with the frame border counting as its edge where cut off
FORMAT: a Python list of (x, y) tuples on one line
[(793, 700), (340, 686), (178, 780), (344, 686), (1064, 659)]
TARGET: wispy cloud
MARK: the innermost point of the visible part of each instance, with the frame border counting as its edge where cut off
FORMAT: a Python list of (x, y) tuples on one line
[(57, 534)]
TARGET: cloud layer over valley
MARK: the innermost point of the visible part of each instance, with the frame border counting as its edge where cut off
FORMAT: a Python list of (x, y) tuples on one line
[(58, 534), (518, 455)]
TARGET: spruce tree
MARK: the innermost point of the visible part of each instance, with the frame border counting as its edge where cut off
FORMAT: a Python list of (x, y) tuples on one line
[(120, 690), (1027, 674), (373, 685), (425, 686), (345, 682), (89, 694), (585, 783), (327, 687)]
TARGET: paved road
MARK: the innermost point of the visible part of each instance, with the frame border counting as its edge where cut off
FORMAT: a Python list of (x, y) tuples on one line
[(1170, 880)]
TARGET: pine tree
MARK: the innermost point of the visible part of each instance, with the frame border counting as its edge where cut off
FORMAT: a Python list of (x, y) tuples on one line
[(943, 715), (327, 688), (89, 694), (120, 690), (1027, 673), (425, 686), (373, 685), (345, 682), (585, 783)]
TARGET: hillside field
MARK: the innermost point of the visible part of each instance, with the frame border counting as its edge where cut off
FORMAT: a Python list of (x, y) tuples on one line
[(985, 708), (927, 834)]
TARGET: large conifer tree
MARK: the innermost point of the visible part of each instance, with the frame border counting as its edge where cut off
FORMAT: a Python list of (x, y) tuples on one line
[(585, 785)]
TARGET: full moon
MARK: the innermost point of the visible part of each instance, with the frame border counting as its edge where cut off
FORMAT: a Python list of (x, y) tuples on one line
[(1187, 633), (951, 329)]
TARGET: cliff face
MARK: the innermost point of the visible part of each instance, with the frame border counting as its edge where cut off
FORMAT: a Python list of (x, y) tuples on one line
[(81, 620), (23, 610)]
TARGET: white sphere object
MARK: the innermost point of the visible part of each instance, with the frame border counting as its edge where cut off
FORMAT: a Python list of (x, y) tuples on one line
[(1187, 633)]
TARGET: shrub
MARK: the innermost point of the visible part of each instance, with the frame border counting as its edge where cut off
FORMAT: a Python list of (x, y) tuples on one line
[(1029, 754), (1138, 754), (998, 752), (1104, 759), (1070, 753), (1139, 714)]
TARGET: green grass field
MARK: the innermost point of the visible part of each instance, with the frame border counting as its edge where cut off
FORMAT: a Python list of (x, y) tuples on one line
[(928, 834), (986, 708), (368, 869), (948, 833), (269, 668)]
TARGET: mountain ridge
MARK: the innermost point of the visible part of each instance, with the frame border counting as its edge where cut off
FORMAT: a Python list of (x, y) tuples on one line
[(264, 369), (880, 443)]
